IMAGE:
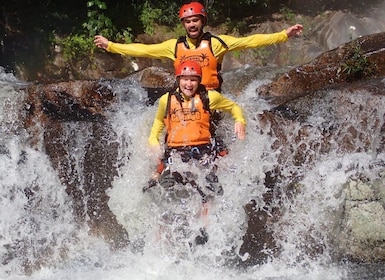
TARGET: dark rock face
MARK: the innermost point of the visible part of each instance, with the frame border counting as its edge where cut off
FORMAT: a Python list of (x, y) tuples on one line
[(352, 113), (52, 109), (67, 101), (337, 129), (58, 115)]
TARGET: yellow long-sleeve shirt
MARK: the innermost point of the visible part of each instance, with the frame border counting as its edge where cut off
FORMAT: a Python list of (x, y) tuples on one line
[(166, 49), (216, 102)]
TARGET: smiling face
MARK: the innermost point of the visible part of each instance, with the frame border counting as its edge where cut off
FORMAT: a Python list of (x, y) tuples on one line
[(193, 26), (188, 85)]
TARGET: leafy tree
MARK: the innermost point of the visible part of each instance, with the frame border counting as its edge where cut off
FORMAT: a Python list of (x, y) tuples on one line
[(80, 44), (29, 29)]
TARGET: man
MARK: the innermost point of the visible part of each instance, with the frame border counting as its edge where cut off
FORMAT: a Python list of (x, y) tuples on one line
[(205, 48), (185, 114)]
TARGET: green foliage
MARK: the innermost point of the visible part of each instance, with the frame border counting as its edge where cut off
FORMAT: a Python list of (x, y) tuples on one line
[(97, 22), (288, 14), (264, 3), (262, 53), (356, 65), (237, 54), (80, 44), (169, 12), (125, 36), (75, 46), (73, 24), (179, 30), (148, 16), (236, 26), (238, 10)]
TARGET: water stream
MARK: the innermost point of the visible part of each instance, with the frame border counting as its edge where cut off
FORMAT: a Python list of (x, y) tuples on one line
[(38, 223)]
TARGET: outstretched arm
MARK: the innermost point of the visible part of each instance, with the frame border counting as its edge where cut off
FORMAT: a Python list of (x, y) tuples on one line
[(294, 30), (101, 42), (158, 51)]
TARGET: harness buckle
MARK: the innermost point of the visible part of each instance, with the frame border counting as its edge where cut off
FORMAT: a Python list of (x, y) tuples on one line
[(169, 160)]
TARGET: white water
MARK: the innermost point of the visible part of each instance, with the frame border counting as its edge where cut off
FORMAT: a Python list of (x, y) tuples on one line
[(41, 227)]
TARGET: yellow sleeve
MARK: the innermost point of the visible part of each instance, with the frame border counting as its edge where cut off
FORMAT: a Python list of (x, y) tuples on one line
[(219, 102), (158, 124), (241, 43), (165, 49)]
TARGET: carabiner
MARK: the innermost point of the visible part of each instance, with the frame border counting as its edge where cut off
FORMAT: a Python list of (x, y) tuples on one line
[(194, 151)]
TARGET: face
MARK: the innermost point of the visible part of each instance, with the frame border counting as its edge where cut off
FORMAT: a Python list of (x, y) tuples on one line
[(189, 85), (193, 26)]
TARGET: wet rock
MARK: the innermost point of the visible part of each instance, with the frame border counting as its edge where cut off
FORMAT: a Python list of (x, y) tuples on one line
[(155, 80), (351, 108), (359, 59), (258, 242), (154, 77), (363, 224), (74, 100), (348, 111), (61, 117)]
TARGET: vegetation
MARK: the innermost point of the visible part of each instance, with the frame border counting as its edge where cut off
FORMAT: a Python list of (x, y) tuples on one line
[(288, 14), (80, 44), (30, 30), (355, 64), (71, 25)]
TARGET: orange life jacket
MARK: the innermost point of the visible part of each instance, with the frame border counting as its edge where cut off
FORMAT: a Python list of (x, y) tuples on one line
[(187, 123), (204, 55)]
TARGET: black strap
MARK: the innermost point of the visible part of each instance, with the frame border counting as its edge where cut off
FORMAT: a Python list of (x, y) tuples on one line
[(208, 36)]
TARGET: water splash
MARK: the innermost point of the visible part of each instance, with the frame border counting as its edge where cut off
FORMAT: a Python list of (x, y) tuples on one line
[(39, 236)]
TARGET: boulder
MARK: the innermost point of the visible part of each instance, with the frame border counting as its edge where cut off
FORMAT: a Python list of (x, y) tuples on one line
[(362, 229), (351, 122), (79, 106), (358, 59)]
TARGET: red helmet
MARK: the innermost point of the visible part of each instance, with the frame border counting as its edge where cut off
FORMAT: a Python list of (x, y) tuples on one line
[(189, 68), (192, 9)]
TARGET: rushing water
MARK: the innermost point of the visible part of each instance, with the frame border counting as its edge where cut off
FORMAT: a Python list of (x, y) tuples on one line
[(38, 224)]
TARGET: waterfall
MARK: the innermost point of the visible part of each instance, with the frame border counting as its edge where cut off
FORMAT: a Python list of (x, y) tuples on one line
[(41, 237)]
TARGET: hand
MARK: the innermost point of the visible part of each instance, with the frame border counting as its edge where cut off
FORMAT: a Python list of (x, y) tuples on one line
[(295, 30), (239, 130), (155, 151), (101, 42), (150, 184)]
